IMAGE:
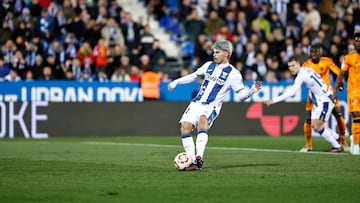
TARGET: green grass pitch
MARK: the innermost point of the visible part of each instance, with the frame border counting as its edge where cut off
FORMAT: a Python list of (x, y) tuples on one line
[(140, 169)]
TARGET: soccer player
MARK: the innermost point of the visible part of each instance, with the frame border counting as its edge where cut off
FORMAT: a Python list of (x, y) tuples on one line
[(351, 64), (321, 96), (219, 78), (323, 66)]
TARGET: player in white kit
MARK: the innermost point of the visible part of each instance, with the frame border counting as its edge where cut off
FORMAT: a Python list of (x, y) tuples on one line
[(320, 95), (219, 78)]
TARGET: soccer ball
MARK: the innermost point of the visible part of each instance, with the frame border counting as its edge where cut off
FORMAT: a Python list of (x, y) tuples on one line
[(182, 160)]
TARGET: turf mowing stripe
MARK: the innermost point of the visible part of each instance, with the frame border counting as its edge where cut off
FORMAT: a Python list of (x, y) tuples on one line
[(215, 148)]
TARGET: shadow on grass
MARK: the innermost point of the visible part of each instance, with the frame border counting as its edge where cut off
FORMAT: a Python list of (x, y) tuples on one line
[(243, 166)]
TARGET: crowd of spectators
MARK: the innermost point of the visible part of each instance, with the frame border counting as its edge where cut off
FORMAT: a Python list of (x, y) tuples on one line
[(265, 33), (87, 40), (78, 40)]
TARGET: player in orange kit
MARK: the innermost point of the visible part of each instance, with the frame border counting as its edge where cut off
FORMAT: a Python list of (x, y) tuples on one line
[(323, 66), (351, 64)]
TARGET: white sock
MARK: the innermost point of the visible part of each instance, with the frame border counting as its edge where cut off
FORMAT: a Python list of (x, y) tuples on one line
[(188, 144), (201, 141), (327, 135), (333, 133)]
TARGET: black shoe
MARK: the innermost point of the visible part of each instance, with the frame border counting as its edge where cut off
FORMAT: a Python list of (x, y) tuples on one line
[(199, 162), (335, 150), (192, 167)]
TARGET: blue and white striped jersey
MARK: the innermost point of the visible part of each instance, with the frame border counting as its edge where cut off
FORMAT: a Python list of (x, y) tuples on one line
[(219, 79), (319, 91)]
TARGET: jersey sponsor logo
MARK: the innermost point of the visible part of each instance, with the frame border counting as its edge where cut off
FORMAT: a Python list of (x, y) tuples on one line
[(224, 75), (219, 81), (357, 65)]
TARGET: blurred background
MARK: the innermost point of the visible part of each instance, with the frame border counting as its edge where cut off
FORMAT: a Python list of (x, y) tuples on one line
[(70, 52)]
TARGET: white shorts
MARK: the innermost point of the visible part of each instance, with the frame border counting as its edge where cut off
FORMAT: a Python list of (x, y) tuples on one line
[(322, 111), (194, 111)]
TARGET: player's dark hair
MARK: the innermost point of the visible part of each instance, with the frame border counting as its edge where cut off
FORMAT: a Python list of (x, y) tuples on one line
[(316, 46), (293, 58), (356, 35)]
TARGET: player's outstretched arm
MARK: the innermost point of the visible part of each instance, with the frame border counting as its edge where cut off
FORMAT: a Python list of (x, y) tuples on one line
[(269, 102), (169, 87), (288, 93), (183, 80), (257, 85), (247, 94)]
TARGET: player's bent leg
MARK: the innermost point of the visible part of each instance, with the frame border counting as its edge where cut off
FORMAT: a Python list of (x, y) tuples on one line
[(187, 139), (307, 127), (201, 141), (341, 127), (327, 134), (307, 135)]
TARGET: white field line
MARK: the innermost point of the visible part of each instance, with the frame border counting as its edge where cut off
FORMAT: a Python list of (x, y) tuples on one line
[(179, 146), (213, 148)]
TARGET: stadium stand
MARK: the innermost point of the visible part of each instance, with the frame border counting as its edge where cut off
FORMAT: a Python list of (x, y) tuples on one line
[(31, 29)]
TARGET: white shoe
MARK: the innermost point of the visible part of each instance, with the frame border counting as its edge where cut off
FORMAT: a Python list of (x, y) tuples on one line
[(342, 142), (345, 147), (306, 149), (354, 149)]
